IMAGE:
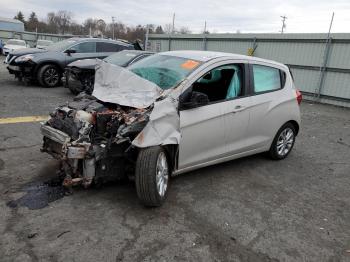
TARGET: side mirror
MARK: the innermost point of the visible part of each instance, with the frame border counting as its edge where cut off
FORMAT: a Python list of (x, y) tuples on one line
[(70, 51), (197, 99)]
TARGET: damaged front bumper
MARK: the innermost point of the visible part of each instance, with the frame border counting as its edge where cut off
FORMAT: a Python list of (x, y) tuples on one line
[(92, 146)]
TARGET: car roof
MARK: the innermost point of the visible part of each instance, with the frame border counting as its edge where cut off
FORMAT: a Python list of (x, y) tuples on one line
[(44, 40), (205, 56), (88, 39), (16, 39), (137, 51)]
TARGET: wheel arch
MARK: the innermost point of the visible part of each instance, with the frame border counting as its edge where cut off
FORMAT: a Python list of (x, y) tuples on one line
[(295, 124), (55, 63)]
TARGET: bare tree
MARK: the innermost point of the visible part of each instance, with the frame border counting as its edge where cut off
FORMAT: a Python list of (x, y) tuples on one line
[(63, 20), (168, 28), (184, 30)]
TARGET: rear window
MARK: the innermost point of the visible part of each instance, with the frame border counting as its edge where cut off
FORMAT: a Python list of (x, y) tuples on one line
[(266, 78), (110, 47)]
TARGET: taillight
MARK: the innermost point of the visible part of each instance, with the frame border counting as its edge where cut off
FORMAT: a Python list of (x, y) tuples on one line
[(299, 96)]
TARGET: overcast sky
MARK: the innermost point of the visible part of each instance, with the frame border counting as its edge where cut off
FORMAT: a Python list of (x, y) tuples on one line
[(221, 16)]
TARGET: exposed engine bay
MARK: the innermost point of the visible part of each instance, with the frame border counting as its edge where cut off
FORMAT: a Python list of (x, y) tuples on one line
[(97, 137), (93, 139)]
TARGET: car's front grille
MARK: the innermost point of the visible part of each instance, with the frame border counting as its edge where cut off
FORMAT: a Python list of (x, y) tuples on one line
[(9, 58)]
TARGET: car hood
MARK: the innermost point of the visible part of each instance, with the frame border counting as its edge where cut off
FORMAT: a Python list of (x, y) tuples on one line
[(84, 64), (26, 51), (14, 47), (114, 84)]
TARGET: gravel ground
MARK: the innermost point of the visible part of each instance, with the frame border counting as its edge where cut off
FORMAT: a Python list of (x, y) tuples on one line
[(251, 209)]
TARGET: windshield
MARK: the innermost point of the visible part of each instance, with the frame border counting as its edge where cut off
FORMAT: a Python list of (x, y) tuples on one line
[(16, 42), (44, 43), (163, 70), (62, 45), (121, 58)]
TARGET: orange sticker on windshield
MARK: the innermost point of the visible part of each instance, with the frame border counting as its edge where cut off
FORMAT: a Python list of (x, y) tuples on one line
[(190, 64)]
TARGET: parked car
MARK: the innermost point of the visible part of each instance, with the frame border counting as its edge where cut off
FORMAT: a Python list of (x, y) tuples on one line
[(12, 45), (171, 113), (43, 44), (79, 76), (47, 65), (1, 46)]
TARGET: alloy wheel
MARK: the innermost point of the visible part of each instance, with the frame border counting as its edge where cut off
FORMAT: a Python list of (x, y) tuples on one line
[(51, 76), (162, 174), (285, 141)]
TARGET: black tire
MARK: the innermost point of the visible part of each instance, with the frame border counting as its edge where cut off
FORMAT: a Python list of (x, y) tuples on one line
[(74, 90), (146, 176), (49, 76), (274, 153)]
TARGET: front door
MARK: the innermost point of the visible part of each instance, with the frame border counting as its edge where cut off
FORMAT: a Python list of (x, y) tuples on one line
[(214, 130)]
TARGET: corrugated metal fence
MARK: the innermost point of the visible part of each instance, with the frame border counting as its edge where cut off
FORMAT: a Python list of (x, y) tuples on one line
[(31, 37), (320, 65)]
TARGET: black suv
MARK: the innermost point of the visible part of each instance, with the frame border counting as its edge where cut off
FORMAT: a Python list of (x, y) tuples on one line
[(47, 65)]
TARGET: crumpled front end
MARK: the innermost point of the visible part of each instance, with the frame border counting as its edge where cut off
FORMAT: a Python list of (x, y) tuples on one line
[(97, 138), (93, 139)]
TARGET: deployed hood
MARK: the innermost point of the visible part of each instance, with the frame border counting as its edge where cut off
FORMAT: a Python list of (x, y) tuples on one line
[(26, 51), (84, 64), (114, 84)]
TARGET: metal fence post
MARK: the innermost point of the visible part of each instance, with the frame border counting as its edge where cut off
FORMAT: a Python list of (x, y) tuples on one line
[(323, 67), (169, 47), (205, 42)]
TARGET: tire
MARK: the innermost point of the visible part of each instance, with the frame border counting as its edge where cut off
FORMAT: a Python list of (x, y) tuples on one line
[(49, 76), (74, 90), (152, 167), (283, 142)]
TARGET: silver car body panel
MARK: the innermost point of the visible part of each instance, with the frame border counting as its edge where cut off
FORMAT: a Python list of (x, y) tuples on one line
[(209, 134)]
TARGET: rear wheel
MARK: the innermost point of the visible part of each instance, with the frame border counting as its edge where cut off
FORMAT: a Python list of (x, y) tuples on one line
[(152, 176), (49, 76), (283, 142)]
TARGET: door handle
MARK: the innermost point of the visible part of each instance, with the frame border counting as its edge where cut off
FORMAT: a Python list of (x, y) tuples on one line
[(238, 108)]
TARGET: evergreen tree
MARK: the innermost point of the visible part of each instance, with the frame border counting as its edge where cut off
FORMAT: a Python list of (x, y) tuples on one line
[(20, 17)]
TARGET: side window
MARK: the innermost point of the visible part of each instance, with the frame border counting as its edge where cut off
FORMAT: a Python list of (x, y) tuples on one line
[(266, 78), (109, 47), (224, 82), (86, 47)]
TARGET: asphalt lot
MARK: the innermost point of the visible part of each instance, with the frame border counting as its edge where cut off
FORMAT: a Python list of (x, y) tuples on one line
[(252, 209)]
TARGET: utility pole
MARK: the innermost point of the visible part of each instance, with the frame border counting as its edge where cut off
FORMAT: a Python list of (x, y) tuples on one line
[(173, 29), (113, 27), (146, 41), (204, 38), (323, 67), (283, 23)]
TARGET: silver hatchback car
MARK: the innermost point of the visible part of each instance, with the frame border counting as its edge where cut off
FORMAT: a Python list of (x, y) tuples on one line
[(171, 113)]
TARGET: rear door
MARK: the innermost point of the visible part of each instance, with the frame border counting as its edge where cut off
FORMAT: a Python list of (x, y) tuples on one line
[(82, 50), (237, 111), (105, 49), (268, 111)]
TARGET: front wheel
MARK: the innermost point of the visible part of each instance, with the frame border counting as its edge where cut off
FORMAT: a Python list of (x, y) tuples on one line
[(49, 76), (152, 176), (283, 142)]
